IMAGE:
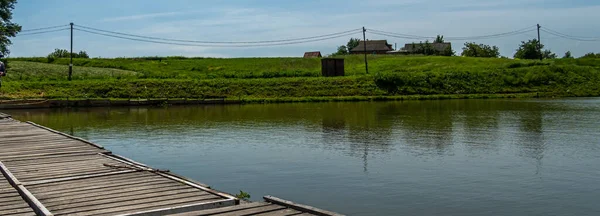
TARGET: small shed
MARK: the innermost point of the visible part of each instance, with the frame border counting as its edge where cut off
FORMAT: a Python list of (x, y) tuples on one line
[(314, 54), (332, 67)]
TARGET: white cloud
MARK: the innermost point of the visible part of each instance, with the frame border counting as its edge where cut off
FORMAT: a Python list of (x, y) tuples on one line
[(142, 16), (418, 17)]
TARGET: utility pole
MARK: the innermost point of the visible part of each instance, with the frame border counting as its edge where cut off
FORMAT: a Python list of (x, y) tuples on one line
[(71, 55), (540, 43), (365, 46)]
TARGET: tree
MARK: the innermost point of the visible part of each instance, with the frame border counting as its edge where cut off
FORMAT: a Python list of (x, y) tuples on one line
[(547, 54), (591, 55), (530, 50), (472, 49), (352, 43), (439, 39), (63, 53), (447, 52), (568, 55), (341, 50), (8, 29)]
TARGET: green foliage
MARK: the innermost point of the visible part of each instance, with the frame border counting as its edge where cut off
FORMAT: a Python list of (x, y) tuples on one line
[(547, 54), (472, 49), (287, 79), (532, 49), (63, 53), (562, 79), (243, 195), (428, 49), (8, 29), (568, 55), (341, 50), (352, 43), (591, 55), (439, 39)]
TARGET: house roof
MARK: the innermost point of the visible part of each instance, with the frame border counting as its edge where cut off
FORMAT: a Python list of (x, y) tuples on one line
[(373, 45), (411, 47), (312, 54)]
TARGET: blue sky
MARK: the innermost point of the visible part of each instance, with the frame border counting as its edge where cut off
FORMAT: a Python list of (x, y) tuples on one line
[(252, 20)]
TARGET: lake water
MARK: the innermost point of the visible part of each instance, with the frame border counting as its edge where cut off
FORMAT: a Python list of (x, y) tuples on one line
[(451, 157)]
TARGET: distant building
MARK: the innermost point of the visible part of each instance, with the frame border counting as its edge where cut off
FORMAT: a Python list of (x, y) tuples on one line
[(315, 54), (373, 47), (412, 48)]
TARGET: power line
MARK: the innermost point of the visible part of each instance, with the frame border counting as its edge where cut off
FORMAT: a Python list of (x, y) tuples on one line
[(43, 32), (407, 36), (213, 45), (45, 28), (570, 37), (218, 42)]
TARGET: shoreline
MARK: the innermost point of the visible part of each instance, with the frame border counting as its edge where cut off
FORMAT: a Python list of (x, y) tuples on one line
[(116, 102)]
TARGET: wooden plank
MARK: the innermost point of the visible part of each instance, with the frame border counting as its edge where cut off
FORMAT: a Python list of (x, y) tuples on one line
[(127, 197), (43, 151), (8, 175), (282, 212), (49, 174), (202, 187), (13, 157), (224, 209), (183, 208), (133, 205), (26, 147), (75, 191), (67, 135), (300, 207), (12, 198), (38, 208), (56, 165), (97, 181), (77, 177), (56, 156), (70, 166), (84, 174), (19, 205), (22, 214), (15, 211), (15, 201), (131, 191), (254, 211)]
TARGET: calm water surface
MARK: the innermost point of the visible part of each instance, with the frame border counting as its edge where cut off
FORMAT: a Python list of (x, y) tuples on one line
[(458, 157)]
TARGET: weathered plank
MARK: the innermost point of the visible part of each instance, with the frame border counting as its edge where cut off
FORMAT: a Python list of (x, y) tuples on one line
[(128, 192), (32, 201), (300, 207), (254, 211), (282, 212), (147, 203), (77, 191), (224, 209)]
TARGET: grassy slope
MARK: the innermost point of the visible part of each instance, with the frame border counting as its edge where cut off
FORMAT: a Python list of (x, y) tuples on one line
[(254, 78)]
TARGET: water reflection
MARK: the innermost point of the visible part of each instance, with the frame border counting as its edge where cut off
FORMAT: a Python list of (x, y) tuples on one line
[(359, 130), (466, 156)]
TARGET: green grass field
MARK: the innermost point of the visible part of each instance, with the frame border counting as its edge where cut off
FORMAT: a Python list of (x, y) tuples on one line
[(297, 79)]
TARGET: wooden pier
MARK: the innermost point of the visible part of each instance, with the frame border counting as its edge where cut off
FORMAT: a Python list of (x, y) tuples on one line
[(46, 172)]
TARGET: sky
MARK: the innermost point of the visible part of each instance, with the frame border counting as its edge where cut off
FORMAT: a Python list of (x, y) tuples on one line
[(257, 20)]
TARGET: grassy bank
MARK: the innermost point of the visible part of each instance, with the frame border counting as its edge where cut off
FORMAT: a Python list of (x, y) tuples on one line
[(297, 79)]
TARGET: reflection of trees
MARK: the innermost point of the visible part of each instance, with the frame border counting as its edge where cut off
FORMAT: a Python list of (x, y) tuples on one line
[(367, 126), (531, 136), (428, 125), (480, 123)]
